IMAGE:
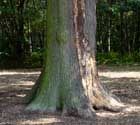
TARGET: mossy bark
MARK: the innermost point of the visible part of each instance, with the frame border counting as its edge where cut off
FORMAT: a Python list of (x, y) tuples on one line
[(69, 81)]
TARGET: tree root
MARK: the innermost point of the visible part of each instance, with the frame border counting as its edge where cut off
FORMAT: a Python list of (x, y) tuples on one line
[(107, 102), (88, 113)]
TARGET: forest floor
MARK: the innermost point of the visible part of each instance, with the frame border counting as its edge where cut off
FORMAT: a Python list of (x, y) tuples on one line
[(122, 81)]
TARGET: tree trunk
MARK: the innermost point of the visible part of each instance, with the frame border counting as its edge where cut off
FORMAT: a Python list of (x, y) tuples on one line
[(69, 81)]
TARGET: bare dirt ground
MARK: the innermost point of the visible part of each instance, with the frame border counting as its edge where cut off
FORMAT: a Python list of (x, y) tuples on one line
[(122, 81)]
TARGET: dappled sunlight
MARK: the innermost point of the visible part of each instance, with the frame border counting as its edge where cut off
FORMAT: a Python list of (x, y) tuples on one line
[(132, 109), (128, 109), (23, 83), (40, 121), (4, 86), (126, 74), (127, 87), (107, 114), (21, 95), (107, 81), (134, 100), (15, 80), (18, 73), (15, 85)]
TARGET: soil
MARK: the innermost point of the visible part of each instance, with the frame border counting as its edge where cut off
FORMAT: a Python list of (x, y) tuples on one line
[(124, 82)]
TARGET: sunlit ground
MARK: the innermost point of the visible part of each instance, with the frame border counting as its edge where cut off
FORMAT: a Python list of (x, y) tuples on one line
[(121, 74), (41, 121), (14, 85)]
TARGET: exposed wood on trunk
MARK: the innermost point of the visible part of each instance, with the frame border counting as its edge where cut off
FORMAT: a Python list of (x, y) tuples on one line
[(69, 81), (98, 97)]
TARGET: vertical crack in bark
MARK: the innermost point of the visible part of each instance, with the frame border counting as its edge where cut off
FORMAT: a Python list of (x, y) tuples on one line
[(83, 48), (93, 89)]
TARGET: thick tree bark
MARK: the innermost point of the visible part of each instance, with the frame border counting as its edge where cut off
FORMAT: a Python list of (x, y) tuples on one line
[(69, 81)]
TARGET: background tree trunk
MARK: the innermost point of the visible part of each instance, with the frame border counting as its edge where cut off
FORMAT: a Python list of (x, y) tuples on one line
[(69, 81)]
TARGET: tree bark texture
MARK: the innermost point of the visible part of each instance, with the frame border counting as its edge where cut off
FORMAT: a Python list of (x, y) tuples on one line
[(69, 81)]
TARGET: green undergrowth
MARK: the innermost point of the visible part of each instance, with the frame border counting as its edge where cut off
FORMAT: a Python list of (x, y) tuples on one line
[(34, 60), (113, 58)]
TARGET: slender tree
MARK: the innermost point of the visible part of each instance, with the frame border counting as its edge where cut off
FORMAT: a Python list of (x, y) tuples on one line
[(69, 81)]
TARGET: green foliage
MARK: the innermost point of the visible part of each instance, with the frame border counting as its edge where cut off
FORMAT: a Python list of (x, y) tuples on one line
[(34, 60), (108, 58), (118, 28), (22, 32), (22, 27), (113, 58), (31, 61)]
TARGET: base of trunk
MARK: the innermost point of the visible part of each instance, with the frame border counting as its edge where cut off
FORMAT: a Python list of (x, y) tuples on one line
[(70, 103), (103, 100)]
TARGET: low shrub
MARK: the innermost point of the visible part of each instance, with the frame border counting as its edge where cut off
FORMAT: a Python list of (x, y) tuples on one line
[(113, 58)]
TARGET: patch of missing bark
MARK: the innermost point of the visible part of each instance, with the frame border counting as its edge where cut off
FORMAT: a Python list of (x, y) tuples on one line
[(96, 94), (86, 59)]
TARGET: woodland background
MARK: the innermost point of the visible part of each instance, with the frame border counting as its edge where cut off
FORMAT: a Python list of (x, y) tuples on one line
[(22, 32)]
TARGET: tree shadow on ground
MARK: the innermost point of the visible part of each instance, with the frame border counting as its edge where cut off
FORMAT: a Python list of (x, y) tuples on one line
[(14, 87)]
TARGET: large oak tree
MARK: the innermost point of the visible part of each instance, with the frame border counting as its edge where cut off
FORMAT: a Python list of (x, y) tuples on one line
[(69, 81)]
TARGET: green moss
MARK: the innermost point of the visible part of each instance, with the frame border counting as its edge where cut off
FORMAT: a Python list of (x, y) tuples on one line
[(62, 37), (55, 90)]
